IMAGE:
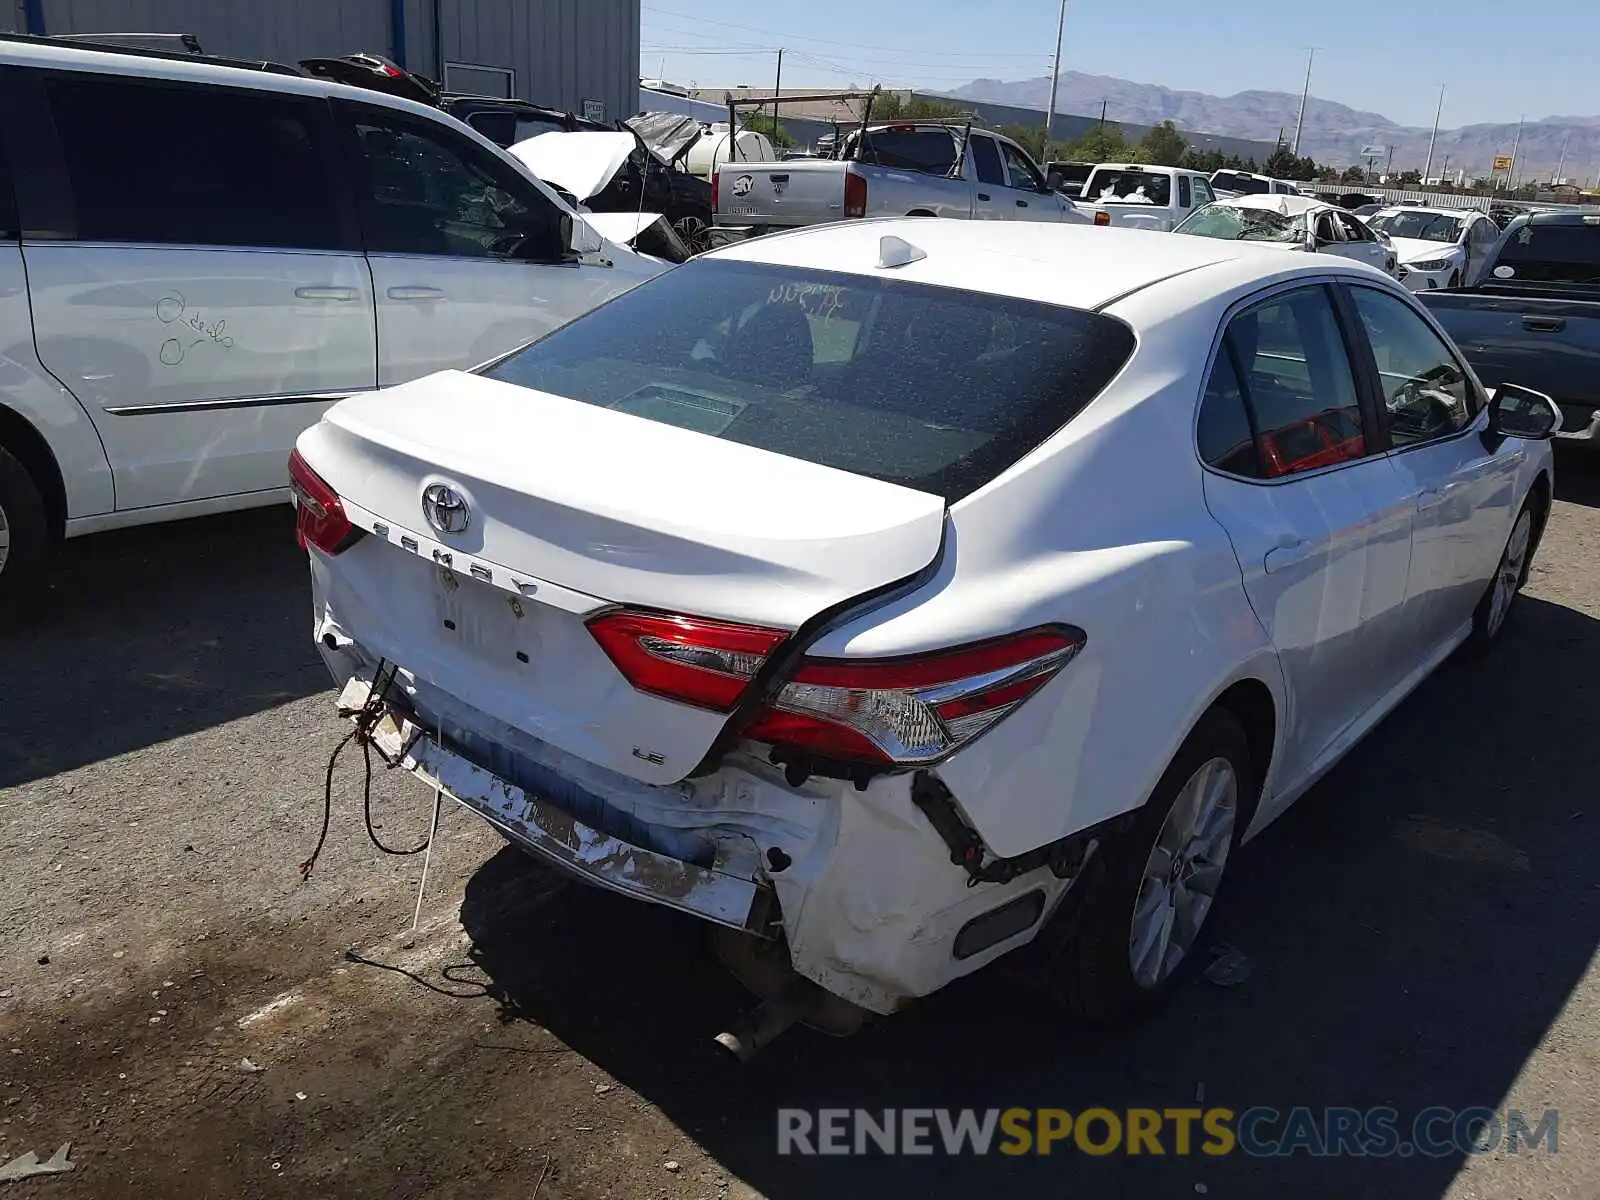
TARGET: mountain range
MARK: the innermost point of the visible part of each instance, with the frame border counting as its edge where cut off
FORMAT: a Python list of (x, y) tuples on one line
[(1334, 134)]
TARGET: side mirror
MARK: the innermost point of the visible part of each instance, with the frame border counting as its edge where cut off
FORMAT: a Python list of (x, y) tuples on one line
[(1520, 412), (1053, 180), (567, 198)]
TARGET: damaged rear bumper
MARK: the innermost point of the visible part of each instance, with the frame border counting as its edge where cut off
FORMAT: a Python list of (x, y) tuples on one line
[(555, 836)]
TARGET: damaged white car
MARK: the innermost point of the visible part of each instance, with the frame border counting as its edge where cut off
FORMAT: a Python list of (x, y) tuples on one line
[(875, 590)]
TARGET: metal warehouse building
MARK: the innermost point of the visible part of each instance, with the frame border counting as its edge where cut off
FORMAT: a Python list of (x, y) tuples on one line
[(580, 55)]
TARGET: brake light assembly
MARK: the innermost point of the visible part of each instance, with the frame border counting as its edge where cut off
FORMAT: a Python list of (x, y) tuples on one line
[(716, 189), (855, 194), (320, 518), (865, 715)]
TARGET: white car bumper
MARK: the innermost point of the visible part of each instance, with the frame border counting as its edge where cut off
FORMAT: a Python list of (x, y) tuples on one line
[(856, 881), (1427, 281)]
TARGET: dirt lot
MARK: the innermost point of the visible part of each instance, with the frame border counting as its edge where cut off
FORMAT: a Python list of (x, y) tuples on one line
[(1422, 928)]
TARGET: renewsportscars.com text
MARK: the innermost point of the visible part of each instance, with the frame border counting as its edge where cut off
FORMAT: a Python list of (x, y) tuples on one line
[(1259, 1132)]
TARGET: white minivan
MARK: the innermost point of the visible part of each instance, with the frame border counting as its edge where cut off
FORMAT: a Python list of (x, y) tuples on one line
[(196, 259)]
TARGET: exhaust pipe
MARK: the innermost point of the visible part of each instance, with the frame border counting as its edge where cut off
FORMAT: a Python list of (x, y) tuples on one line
[(761, 1025)]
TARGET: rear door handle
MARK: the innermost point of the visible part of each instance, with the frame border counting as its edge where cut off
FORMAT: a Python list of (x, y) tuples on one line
[(983, 195), (1022, 204), (1429, 498), (1543, 324), (415, 293), (326, 293), (1287, 555)]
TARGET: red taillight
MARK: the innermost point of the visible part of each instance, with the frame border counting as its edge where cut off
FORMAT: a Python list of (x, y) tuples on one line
[(392, 71), (690, 659), (855, 195), (1102, 218), (319, 517), (911, 710), (716, 180)]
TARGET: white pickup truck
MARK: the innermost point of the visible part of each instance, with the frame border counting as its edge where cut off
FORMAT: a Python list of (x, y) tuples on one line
[(927, 169), (1144, 197)]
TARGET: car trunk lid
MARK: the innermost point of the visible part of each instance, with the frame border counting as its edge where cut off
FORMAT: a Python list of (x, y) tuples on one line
[(570, 509)]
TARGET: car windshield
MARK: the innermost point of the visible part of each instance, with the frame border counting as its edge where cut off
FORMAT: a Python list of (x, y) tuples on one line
[(1246, 185), (933, 388), (1427, 227), (1239, 224), (1128, 187)]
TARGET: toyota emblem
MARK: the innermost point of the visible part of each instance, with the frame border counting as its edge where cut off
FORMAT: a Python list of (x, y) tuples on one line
[(445, 508)]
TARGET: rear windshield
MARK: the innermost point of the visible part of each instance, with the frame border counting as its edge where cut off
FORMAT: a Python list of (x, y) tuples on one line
[(1425, 226), (1245, 185), (930, 150), (1128, 187), (933, 388), (1553, 253), (1072, 172)]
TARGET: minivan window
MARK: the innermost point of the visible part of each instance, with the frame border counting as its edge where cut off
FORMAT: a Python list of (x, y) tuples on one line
[(934, 388), (428, 191), (191, 165)]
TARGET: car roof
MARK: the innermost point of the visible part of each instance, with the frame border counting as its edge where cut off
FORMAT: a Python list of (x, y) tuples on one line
[(28, 51), (1433, 211), (1077, 266), (1285, 202)]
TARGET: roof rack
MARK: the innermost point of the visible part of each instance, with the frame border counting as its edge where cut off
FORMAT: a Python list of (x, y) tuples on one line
[(89, 41)]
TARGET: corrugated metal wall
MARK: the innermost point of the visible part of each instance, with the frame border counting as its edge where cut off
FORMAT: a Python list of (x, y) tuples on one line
[(563, 52), (282, 30)]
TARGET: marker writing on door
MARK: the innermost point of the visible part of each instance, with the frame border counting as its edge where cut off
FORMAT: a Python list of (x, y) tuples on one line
[(173, 310)]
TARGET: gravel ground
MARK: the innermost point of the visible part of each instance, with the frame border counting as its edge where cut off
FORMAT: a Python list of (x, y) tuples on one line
[(1421, 929)]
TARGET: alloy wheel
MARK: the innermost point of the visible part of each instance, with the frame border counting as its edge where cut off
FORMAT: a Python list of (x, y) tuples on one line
[(5, 539), (1182, 872), (1509, 577)]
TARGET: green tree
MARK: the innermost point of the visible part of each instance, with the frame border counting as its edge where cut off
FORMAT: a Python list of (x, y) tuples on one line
[(1328, 174), (1283, 163), (763, 123), (1103, 143), (891, 106), (1163, 145), (1203, 160), (1353, 175), (1410, 178)]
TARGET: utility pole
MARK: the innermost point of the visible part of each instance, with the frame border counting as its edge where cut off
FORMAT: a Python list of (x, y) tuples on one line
[(1102, 116), (1388, 166), (1301, 119), (1562, 165), (1055, 78), (1427, 170), (1511, 172), (777, 88)]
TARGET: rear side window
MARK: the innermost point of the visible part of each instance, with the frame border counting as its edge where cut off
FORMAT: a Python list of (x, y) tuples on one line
[(1287, 362), (933, 388), (188, 165), (986, 158), (9, 227)]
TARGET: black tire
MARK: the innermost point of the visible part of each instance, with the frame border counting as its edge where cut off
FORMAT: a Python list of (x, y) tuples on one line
[(1486, 629), (1089, 971), (24, 532)]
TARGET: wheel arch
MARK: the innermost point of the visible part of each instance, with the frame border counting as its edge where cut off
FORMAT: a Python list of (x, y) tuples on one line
[(1250, 702), (27, 445)]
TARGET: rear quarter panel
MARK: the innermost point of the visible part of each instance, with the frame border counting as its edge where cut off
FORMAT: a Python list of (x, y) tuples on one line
[(30, 392), (1104, 527)]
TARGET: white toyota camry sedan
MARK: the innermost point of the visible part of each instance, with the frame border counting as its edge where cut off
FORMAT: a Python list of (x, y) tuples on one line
[(900, 592)]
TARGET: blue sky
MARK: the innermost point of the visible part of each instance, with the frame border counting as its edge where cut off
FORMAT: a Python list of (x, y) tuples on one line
[(1499, 59)]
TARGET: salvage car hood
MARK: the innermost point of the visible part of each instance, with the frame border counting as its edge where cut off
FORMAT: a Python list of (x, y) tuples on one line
[(580, 163), (1412, 250)]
